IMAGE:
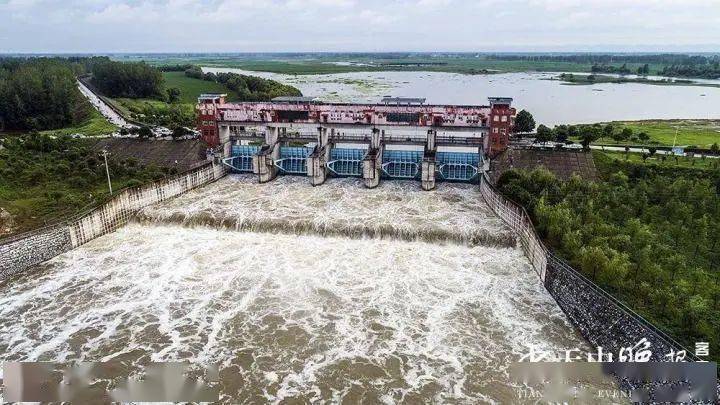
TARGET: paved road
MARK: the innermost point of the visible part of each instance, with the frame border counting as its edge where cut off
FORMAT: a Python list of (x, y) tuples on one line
[(103, 108), (643, 150)]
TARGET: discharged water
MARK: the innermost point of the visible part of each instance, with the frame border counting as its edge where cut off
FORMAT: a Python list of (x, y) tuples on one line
[(350, 294)]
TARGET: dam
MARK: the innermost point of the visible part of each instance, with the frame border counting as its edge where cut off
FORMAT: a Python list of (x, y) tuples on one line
[(398, 138), (299, 293), (291, 262)]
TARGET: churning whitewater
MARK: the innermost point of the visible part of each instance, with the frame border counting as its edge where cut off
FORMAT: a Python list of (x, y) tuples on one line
[(315, 294)]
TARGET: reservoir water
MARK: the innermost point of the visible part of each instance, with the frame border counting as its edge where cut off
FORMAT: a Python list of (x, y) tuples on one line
[(299, 293), (550, 101)]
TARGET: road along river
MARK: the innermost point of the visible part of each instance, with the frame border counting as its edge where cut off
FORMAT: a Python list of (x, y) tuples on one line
[(318, 294)]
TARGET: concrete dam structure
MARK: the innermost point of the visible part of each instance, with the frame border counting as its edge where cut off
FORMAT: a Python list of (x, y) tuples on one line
[(401, 138)]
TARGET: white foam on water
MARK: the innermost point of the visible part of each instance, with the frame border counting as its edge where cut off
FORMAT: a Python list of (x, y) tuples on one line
[(341, 206), (305, 317), (298, 316)]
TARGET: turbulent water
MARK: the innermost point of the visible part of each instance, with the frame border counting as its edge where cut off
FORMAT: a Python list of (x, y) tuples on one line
[(352, 299), (341, 207)]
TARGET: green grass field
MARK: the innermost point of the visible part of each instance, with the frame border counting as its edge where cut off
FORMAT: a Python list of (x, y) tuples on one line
[(701, 133), (670, 161), (95, 125), (191, 88), (451, 65)]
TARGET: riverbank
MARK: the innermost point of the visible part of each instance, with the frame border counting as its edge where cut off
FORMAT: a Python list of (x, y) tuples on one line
[(591, 79), (322, 63)]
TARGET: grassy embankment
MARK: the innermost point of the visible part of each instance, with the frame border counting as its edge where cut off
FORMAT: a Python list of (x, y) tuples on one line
[(94, 125), (44, 179), (668, 161)]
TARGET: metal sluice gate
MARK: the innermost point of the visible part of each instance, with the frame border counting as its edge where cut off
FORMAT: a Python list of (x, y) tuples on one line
[(293, 159), (346, 162), (458, 166), (402, 164), (240, 160)]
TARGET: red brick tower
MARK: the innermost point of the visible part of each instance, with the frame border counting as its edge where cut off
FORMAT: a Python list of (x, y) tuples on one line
[(208, 116), (502, 119)]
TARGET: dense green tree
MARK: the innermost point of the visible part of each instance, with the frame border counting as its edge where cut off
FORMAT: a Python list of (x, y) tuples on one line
[(561, 133), (650, 236), (608, 131), (544, 134), (588, 135), (524, 122), (248, 88), (39, 94), (626, 134), (132, 80), (173, 94)]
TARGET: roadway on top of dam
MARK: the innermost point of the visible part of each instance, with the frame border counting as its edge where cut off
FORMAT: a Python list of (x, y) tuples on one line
[(352, 138)]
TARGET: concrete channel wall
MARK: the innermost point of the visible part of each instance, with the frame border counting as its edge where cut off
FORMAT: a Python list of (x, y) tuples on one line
[(600, 318), (21, 252)]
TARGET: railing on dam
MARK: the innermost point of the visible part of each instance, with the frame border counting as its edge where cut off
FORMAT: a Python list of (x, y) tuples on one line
[(520, 224), (29, 249), (341, 137), (396, 164), (601, 318)]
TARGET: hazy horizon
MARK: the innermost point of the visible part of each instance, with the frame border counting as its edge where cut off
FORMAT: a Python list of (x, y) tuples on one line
[(249, 26)]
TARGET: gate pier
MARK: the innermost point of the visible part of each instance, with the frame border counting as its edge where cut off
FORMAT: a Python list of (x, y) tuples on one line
[(373, 161), (428, 167), (263, 163), (317, 169)]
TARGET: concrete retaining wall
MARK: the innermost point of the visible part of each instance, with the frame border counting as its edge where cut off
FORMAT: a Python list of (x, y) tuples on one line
[(23, 251), (17, 254), (600, 318)]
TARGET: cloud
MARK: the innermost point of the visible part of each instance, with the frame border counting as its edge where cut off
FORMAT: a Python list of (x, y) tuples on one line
[(352, 25)]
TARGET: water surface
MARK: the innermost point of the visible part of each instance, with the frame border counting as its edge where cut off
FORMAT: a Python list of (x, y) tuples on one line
[(550, 101), (335, 312)]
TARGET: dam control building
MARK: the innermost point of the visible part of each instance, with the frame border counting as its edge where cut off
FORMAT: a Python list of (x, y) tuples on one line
[(396, 138)]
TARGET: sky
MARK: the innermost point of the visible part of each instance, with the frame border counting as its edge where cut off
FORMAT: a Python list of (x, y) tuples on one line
[(103, 26)]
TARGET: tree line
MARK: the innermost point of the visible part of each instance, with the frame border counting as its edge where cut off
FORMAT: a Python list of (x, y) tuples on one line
[(648, 235), (40, 93), (706, 71), (599, 58), (248, 88), (623, 70), (127, 79)]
